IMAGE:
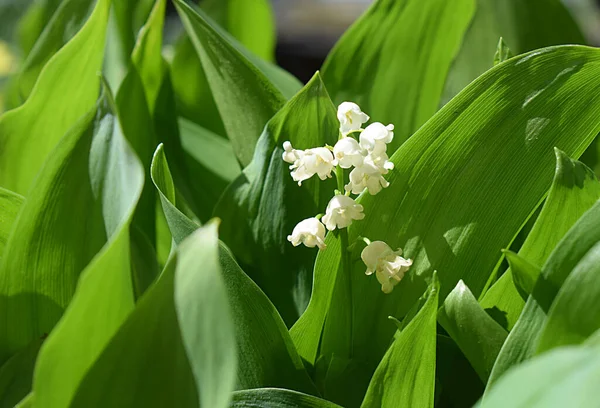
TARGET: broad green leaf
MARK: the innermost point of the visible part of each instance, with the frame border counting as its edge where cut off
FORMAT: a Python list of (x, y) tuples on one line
[(130, 16), (566, 377), (277, 398), (524, 274), (238, 83), (179, 224), (104, 296), (524, 24), (167, 130), (253, 24), (406, 375), (137, 128), (10, 204), (29, 133), (249, 21), (177, 348), (524, 337), (262, 206), (16, 375), (209, 158), (574, 190), (53, 239), (575, 314), (502, 52), (126, 20), (26, 402), (405, 45), (267, 357), (474, 331), (147, 54), (66, 20), (488, 150), (34, 21)]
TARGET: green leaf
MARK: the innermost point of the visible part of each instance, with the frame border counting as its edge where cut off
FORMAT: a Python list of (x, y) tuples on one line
[(52, 241), (574, 190), (502, 52), (10, 204), (406, 375), (249, 21), (178, 346), (566, 377), (267, 357), (66, 20), (524, 273), (253, 24), (104, 296), (277, 398), (179, 224), (260, 209), (209, 158), (238, 83), (26, 402), (488, 150), (524, 24), (16, 375), (147, 54), (524, 337), (575, 314), (54, 105), (130, 16), (398, 44), (474, 331)]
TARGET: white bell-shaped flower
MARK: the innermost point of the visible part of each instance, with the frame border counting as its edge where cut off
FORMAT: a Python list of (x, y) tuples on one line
[(348, 153), (341, 211), (370, 175), (307, 163), (375, 137), (310, 232), (351, 117), (290, 155), (388, 266)]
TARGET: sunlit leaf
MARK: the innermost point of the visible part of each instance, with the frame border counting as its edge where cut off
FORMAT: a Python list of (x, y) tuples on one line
[(474, 331), (267, 356), (575, 313), (104, 296), (406, 375), (177, 347), (262, 206), (524, 337), (54, 105), (567, 377), (10, 204), (574, 190), (249, 21), (454, 179), (405, 45), (53, 239), (239, 85)]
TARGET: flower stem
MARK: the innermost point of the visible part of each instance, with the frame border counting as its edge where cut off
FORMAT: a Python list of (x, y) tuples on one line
[(345, 260)]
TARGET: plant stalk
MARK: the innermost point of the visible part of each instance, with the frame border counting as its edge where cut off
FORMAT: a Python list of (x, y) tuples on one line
[(345, 259)]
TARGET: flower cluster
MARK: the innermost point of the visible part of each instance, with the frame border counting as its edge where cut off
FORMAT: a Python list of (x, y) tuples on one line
[(368, 159)]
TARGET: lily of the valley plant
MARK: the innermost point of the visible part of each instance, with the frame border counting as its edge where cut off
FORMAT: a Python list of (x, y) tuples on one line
[(369, 162)]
